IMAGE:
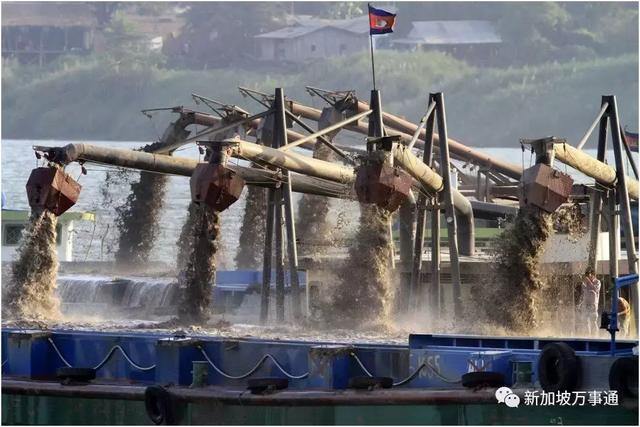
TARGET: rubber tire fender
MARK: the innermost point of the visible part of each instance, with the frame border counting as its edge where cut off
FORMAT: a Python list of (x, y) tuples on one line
[(76, 375), (260, 385), (483, 379), (365, 383), (558, 367), (159, 405), (623, 377)]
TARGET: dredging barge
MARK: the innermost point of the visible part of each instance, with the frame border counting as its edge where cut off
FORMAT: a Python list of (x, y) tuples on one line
[(142, 377)]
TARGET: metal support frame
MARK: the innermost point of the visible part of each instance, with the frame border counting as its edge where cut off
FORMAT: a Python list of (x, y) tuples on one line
[(416, 293), (325, 131), (448, 203), (631, 281), (596, 195), (598, 119), (623, 199), (321, 138)]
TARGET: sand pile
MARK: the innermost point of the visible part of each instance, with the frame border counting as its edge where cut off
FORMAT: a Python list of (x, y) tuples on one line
[(198, 245), (31, 292)]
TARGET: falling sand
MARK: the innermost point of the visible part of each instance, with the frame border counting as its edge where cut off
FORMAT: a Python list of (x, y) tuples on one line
[(364, 297), (312, 228), (252, 231), (197, 263), (513, 297), (31, 291), (138, 220)]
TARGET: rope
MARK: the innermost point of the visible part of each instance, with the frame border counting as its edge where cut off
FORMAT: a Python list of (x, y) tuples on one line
[(410, 377), (58, 353), (254, 369), (365, 370), (106, 358)]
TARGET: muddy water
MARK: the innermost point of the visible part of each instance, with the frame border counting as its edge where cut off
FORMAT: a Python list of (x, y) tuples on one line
[(30, 293)]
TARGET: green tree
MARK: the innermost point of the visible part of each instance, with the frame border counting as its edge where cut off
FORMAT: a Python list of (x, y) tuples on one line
[(221, 33)]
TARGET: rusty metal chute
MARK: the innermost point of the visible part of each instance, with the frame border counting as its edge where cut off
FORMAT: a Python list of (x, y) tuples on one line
[(52, 189)]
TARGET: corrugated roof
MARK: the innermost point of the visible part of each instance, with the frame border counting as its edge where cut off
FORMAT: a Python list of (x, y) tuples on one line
[(357, 25), (57, 14), (451, 32)]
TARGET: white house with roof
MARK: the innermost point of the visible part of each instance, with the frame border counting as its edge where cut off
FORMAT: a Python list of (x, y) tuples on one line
[(312, 38), (476, 41)]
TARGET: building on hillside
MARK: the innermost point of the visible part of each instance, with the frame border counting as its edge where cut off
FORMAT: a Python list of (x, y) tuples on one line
[(157, 31), (38, 32), (476, 42), (313, 38)]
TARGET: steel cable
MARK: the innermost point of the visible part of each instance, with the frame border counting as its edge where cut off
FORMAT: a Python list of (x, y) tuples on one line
[(410, 377), (106, 358), (254, 369)]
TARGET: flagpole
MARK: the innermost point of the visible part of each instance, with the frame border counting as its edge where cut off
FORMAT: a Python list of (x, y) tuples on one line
[(373, 64)]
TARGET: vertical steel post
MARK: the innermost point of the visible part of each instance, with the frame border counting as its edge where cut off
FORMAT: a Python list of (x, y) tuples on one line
[(279, 141), (596, 197), (406, 219), (376, 127), (416, 293), (291, 248), (614, 236), (279, 257), (436, 258), (623, 199), (450, 214)]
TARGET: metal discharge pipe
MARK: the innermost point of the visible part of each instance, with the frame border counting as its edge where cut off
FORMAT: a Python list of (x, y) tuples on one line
[(407, 128), (589, 166), (172, 165), (294, 162), (434, 183)]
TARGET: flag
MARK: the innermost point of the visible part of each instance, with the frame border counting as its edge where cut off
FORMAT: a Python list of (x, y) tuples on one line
[(380, 21)]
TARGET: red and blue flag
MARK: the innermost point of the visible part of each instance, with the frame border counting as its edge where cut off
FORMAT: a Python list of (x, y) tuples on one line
[(381, 21)]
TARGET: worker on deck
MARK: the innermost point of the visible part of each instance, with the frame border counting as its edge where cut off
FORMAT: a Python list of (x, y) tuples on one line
[(624, 317), (588, 305)]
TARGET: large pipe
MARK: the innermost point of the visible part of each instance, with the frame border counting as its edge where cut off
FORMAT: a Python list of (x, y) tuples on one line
[(294, 162), (589, 166), (173, 165), (432, 182), (406, 129)]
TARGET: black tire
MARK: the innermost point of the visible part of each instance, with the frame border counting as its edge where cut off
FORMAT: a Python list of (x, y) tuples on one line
[(366, 383), (623, 377), (75, 375), (483, 379), (260, 385), (159, 405), (558, 368)]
